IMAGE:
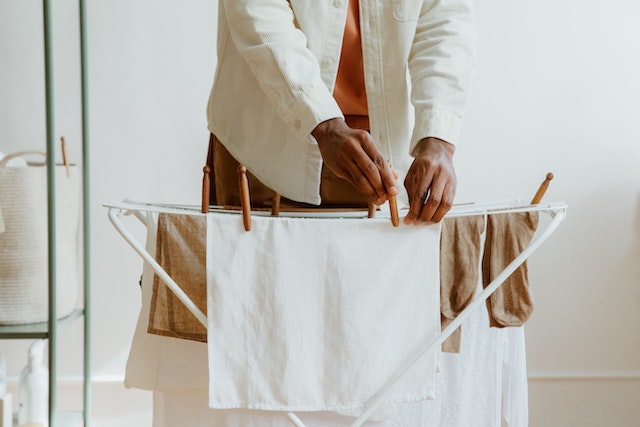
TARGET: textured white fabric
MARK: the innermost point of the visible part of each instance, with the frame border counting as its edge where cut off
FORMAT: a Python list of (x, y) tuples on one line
[(515, 396), (468, 392), (318, 314), (277, 65), (156, 362)]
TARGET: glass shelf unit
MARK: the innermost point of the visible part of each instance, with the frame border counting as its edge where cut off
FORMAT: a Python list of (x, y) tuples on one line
[(49, 330)]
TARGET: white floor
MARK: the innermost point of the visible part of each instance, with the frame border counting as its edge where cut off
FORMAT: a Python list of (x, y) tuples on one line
[(115, 406)]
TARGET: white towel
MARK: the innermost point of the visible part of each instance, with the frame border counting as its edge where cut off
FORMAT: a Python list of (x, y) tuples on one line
[(468, 392), (317, 314), (156, 362)]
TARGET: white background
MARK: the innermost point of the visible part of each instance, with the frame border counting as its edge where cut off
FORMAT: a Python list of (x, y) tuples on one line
[(557, 89)]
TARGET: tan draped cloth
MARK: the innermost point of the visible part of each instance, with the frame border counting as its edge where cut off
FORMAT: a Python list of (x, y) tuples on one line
[(181, 243), (460, 250), (507, 235)]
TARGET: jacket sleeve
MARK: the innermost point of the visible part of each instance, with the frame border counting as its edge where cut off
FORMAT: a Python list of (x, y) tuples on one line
[(265, 34), (441, 65)]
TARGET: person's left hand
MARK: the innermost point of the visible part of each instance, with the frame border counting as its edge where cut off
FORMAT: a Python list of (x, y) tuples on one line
[(431, 182)]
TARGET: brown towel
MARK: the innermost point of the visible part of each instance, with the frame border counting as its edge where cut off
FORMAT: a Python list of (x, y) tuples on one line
[(507, 235), (181, 251), (459, 270)]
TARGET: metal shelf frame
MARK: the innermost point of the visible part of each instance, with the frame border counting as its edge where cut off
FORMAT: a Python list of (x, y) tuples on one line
[(37, 330)]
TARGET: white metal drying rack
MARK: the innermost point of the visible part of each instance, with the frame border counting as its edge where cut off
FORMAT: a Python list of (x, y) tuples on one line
[(557, 211)]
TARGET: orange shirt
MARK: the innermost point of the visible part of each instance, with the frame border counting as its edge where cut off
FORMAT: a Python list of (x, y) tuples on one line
[(349, 91)]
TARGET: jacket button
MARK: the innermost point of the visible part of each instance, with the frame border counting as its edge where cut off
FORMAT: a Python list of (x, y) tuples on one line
[(337, 3)]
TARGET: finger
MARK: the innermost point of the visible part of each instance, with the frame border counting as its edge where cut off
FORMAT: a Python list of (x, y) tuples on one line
[(354, 164), (417, 196), (382, 178), (370, 172), (433, 202), (395, 173), (445, 204), (389, 177), (362, 183)]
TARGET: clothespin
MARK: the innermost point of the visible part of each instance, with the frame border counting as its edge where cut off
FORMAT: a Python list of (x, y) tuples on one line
[(372, 210), (63, 147), (393, 207), (275, 207), (206, 184), (542, 189), (245, 200), (393, 204)]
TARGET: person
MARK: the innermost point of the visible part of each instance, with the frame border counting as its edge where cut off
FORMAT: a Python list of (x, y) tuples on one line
[(365, 91)]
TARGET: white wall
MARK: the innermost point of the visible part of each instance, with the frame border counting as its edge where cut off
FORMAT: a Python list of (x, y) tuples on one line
[(557, 90)]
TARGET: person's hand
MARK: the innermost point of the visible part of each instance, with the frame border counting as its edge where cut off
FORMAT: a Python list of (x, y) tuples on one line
[(353, 155), (431, 182)]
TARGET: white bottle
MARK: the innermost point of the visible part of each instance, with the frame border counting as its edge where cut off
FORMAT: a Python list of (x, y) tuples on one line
[(34, 389)]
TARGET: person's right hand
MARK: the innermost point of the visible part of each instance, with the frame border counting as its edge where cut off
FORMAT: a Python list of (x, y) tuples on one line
[(353, 155)]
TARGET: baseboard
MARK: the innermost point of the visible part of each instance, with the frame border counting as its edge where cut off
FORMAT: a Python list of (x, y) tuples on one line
[(584, 376)]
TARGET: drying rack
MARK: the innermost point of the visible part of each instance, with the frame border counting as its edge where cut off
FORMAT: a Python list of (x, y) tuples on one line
[(557, 211)]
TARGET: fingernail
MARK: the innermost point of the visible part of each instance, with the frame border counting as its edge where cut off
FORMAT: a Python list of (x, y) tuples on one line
[(393, 190)]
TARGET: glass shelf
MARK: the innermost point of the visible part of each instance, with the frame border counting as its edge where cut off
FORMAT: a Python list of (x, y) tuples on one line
[(36, 330)]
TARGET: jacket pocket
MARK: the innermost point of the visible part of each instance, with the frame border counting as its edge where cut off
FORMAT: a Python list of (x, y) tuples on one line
[(407, 10)]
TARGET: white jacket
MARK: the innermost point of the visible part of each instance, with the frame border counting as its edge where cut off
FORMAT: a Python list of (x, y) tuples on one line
[(277, 65)]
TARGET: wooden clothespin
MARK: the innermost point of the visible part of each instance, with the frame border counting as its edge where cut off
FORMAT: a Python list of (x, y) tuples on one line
[(372, 210), (65, 160), (275, 207), (245, 200), (393, 204), (542, 189), (393, 207), (206, 184)]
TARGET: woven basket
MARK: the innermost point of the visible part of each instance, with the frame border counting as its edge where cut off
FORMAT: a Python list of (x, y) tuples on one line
[(23, 244)]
